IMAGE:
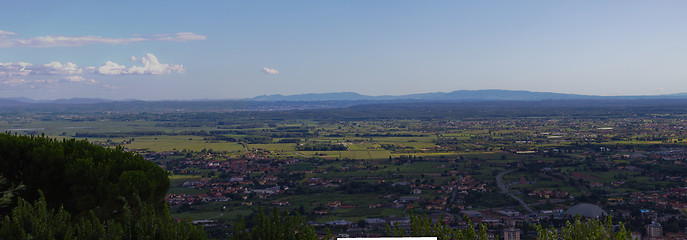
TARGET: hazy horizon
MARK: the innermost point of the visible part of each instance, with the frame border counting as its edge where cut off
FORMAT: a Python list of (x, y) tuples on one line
[(322, 93), (182, 50)]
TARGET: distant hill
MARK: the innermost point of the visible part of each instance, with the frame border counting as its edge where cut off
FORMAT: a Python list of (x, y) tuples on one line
[(461, 95), (325, 100), (338, 96), (21, 99), (79, 101), (496, 95), (11, 103), (5, 101)]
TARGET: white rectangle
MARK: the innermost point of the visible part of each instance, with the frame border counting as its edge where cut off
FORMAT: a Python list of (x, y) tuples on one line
[(393, 238)]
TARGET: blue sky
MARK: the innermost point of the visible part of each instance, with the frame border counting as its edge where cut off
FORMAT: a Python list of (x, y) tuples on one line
[(155, 50)]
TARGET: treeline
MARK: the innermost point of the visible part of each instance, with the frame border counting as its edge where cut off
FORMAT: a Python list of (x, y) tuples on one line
[(38, 221), (78, 181), (120, 134), (367, 135), (394, 147), (285, 225), (254, 139), (590, 229), (322, 147)]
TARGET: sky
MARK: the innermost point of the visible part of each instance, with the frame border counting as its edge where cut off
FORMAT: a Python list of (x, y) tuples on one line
[(178, 50)]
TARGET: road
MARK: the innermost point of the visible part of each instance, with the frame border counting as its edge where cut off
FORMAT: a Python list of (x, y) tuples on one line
[(504, 190), (453, 195)]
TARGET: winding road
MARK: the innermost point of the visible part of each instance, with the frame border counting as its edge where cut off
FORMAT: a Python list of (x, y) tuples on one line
[(504, 190)]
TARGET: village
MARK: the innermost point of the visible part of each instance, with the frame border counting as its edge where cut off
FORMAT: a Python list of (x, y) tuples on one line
[(356, 177), (449, 193)]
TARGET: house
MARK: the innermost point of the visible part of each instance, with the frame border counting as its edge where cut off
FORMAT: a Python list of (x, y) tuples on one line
[(471, 213), (409, 199), (654, 230), (271, 190), (321, 212), (334, 204), (402, 222), (511, 234), (509, 212), (375, 221), (339, 223)]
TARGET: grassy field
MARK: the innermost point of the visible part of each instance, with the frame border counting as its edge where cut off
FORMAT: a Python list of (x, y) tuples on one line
[(170, 143), (479, 148), (177, 180)]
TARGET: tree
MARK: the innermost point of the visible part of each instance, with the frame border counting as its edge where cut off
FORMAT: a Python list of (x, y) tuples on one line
[(79, 176), (82, 191), (591, 229), (422, 226), (8, 193), (278, 226), (38, 221)]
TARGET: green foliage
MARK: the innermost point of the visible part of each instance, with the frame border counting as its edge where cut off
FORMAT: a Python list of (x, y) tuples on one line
[(591, 229), (38, 221), (422, 226), (7, 196), (82, 191), (277, 226), (80, 176), (322, 147)]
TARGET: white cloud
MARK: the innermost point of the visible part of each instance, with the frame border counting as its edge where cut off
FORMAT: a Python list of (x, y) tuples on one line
[(10, 69), (150, 66), (64, 41), (53, 68), (5, 33), (270, 71), (111, 87), (56, 68), (111, 68), (23, 74), (22, 82), (28, 75), (79, 79), (74, 41), (14, 82), (181, 37)]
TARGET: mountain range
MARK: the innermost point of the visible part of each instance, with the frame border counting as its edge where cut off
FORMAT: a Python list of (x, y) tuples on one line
[(455, 96), (460, 95)]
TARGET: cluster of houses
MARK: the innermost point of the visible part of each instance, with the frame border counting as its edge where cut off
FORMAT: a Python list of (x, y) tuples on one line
[(548, 193), (240, 184)]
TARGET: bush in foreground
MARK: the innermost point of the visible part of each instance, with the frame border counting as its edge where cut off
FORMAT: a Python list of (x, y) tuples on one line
[(79, 176), (591, 229), (70, 189), (278, 226), (37, 221)]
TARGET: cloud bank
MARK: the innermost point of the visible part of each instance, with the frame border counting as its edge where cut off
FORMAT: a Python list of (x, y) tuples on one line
[(24, 69), (30, 75), (6, 33), (150, 66), (270, 71), (181, 37), (24, 74), (8, 40)]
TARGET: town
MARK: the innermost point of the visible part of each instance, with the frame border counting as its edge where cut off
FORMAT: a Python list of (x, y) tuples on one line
[(357, 177)]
